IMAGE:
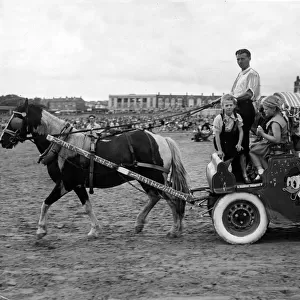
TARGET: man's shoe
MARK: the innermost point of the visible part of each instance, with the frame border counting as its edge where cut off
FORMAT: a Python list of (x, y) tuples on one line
[(257, 179), (246, 179)]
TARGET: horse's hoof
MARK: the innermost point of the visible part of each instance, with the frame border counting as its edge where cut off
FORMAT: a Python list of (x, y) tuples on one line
[(139, 228), (40, 234), (92, 236), (172, 234), (94, 233)]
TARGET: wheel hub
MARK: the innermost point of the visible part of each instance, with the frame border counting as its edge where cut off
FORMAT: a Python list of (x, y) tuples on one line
[(241, 216)]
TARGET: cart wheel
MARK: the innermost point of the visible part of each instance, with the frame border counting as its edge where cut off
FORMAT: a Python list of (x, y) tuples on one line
[(240, 218)]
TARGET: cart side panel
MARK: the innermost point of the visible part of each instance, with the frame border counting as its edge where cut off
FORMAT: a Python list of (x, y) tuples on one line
[(219, 179), (281, 190)]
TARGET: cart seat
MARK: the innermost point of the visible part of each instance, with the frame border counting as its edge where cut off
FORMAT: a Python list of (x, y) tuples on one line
[(219, 179), (281, 148)]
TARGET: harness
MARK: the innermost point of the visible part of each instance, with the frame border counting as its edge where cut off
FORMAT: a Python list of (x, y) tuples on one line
[(92, 161), (16, 134), (52, 151), (136, 163)]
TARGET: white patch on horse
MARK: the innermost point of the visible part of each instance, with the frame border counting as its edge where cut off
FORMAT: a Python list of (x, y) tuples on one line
[(79, 140), (50, 124), (164, 150)]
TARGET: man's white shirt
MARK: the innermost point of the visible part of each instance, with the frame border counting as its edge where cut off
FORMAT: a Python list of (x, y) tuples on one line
[(247, 80), (95, 125)]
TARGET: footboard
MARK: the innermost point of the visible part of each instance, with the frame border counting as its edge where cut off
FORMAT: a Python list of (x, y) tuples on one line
[(219, 179)]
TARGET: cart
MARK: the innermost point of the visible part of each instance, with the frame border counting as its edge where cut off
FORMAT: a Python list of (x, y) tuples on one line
[(241, 213)]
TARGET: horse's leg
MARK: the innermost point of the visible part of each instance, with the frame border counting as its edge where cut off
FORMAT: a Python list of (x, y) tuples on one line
[(141, 218), (84, 199), (178, 208), (58, 191), (42, 228)]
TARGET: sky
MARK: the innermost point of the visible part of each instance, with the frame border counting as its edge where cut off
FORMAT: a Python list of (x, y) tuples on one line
[(94, 48)]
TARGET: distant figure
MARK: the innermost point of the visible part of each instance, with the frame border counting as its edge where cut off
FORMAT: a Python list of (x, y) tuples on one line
[(205, 126), (92, 123)]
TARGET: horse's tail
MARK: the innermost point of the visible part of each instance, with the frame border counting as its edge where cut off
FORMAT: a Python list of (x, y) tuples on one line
[(178, 176)]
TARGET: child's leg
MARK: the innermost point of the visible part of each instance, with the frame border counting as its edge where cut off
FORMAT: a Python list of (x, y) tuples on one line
[(255, 160), (257, 164), (244, 168)]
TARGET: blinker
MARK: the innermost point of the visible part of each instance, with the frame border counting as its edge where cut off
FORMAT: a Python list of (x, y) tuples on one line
[(16, 123)]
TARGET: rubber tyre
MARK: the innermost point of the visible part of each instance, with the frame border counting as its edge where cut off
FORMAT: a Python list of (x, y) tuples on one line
[(240, 218)]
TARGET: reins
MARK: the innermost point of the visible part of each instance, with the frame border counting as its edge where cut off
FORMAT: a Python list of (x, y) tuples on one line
[(160, 120), (17, 134)]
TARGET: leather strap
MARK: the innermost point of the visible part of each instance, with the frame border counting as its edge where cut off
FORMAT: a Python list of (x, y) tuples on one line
[(92, 162), (142, 164), (146, 165), (51, 152)]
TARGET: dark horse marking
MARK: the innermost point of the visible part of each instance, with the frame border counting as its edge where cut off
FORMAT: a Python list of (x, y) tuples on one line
[(70, 171)]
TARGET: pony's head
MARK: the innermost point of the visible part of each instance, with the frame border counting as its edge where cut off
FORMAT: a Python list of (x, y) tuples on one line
[(23, 122)]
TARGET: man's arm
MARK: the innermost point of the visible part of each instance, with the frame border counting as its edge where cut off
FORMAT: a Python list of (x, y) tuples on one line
[(252, 88), (246, 96)]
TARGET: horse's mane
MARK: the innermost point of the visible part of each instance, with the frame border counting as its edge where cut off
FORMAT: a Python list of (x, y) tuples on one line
[(34, 105), (40, 117)]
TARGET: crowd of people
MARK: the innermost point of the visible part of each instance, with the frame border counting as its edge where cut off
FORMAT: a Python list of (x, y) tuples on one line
[(125, 121)]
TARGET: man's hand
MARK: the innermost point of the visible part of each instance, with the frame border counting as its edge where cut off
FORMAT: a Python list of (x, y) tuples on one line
[(220, 154)]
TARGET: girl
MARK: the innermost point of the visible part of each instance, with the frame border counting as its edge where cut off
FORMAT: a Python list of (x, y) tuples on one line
[(277, 132)]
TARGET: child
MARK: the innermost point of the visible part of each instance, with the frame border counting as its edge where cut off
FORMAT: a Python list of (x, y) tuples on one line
[(277, 132), (228, 131)]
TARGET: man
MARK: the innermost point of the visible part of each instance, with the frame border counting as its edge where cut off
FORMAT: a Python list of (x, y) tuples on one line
[(246, 89), (92, 124)]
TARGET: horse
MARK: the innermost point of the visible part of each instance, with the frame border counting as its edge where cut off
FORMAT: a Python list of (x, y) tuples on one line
[(148, 154)]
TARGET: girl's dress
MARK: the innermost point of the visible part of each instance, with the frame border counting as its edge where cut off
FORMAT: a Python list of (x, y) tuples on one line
[(262, 148)]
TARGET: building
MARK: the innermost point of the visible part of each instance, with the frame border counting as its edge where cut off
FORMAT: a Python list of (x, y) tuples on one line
[(139, 102), (67, 104), (132, 102), (99, 106), (170, 101), (6, 110)]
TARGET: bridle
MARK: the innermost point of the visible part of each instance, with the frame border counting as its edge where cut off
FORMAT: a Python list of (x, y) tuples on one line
[(18, 134)]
